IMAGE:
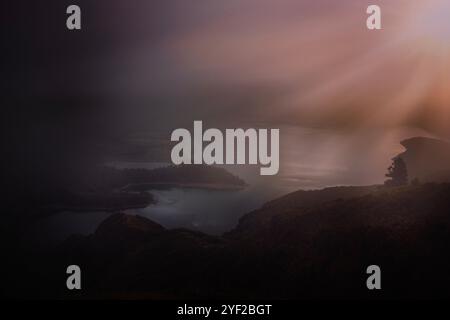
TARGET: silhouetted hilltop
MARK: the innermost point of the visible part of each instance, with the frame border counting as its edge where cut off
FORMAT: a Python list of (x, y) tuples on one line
[(307, 244), (136, 256), (121, 230), (396, 211), (427, 159), (182, 175), (296, 201)]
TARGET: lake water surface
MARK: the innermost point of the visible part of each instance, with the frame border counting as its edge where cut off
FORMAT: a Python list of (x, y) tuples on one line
[(210, 211)]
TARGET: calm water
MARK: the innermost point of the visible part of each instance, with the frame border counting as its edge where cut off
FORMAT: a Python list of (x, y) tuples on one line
[(210, 211)]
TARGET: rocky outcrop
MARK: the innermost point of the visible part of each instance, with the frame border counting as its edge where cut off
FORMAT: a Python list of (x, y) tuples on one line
[(427, 159)]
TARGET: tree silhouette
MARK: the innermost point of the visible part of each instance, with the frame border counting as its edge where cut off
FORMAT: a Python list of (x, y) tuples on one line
[(397, 173)]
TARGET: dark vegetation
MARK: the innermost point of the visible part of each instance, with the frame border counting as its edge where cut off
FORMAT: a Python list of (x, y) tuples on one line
[(397, 173), (308, 244)]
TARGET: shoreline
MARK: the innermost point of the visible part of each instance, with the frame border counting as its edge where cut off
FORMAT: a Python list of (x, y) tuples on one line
[(137, 187), (131, 189)]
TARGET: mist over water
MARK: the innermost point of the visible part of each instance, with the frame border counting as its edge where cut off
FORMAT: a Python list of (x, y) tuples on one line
[(310, 159), (210, 211)]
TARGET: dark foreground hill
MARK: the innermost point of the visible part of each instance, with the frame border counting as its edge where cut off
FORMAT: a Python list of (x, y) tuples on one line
[(309, 244)]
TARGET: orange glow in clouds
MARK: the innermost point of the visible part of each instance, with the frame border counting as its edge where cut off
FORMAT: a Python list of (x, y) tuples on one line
[(331, 71)]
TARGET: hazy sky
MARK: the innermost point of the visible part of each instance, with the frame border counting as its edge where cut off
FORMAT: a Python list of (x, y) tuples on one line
[(342, 95), (311, 63)]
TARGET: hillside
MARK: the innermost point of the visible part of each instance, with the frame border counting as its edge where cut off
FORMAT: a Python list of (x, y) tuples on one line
[(307, 244)]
